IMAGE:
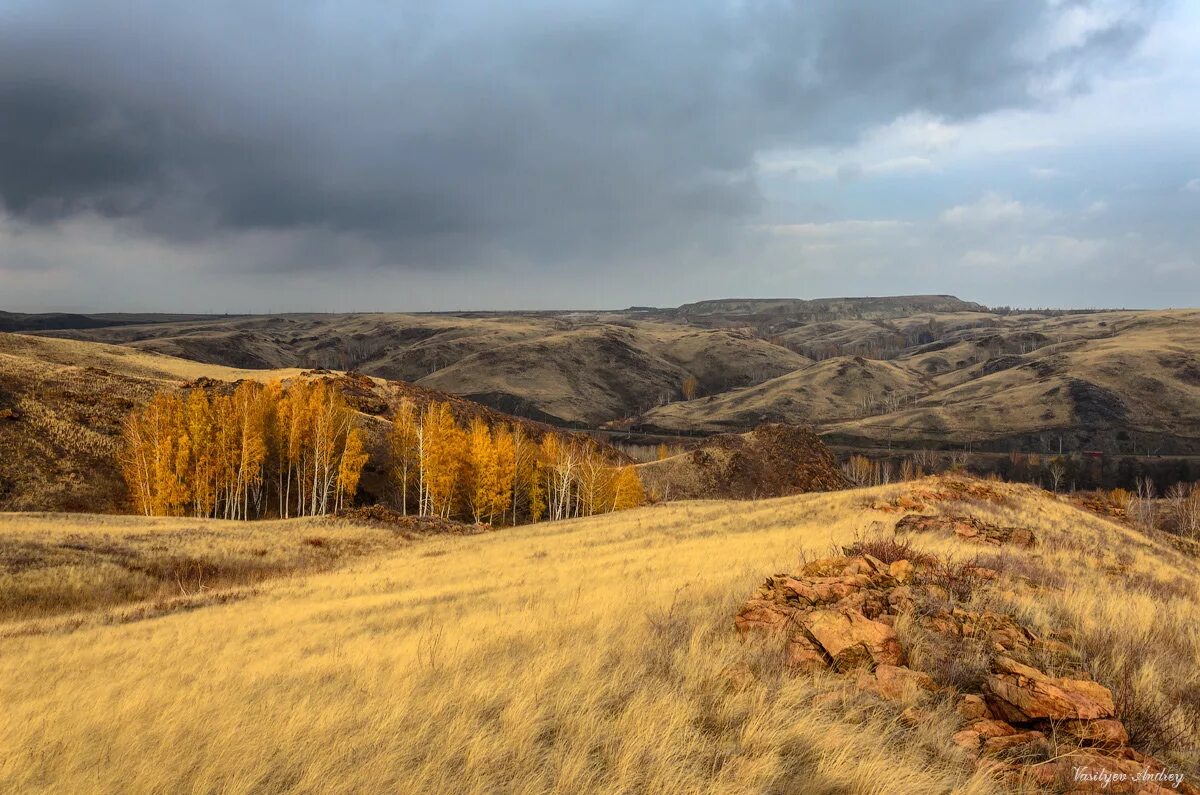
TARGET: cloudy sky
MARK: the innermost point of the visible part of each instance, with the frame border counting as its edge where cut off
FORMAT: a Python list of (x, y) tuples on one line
[(445, 154)]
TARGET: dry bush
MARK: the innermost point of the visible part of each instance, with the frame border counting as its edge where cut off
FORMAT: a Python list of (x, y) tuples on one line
[(1155, 723), (1183, 508), (960, 580), (890, 549)]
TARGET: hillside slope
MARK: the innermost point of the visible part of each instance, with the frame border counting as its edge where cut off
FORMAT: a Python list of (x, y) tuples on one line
[(574, 368), (826, 391), (1135, 389), (594, 655), (61, 407), (62, 403)]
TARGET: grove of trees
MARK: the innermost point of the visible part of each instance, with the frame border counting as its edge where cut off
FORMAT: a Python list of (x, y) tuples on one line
[(263, 449), (499, 474), (298, 450)]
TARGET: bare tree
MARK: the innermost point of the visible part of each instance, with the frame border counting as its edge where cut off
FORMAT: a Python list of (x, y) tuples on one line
[(1184, 503), (1057, 471), (1142, 508)]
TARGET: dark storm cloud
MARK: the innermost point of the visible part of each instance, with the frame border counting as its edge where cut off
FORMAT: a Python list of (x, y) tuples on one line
[(441, 132)]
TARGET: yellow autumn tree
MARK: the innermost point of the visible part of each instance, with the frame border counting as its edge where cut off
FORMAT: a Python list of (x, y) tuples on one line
[(405, 450), (481, 471), (506, 471), (223, 454), (627, 491), (443, 455), (354, 458)]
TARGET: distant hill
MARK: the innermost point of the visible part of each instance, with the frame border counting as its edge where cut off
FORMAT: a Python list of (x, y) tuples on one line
[(866, 308), (910, 371), (54, 321)]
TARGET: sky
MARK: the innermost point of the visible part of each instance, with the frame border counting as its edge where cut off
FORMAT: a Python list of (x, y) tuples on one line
[(365, 155)]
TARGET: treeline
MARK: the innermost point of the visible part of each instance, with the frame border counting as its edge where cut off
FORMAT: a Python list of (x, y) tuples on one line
[(298, 450), (498, 473), (264, 449)]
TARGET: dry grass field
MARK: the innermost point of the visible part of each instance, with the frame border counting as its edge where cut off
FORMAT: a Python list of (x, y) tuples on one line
[(55, 564), (593, 655)]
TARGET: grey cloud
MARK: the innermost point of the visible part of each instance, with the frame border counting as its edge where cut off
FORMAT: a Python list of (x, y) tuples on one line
[(447, 132)]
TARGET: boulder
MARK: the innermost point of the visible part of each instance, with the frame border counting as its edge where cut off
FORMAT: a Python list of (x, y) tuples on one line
[(820, 590), (1020, 693), (763, 615), (1105, 733), (851, 639), (967, 528), (802, 654), (996, 745), (896, 683), (977, 732), (971, 707), (901, 570)]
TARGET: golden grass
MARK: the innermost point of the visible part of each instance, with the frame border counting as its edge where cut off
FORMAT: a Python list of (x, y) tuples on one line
[(58, 563), (54, 354), (593, 655)]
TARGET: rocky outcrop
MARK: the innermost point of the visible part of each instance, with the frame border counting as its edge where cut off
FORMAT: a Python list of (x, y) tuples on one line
[(1034, 729), (1021, 693), (773, 460), (829, 613), (967, 528), (851, 639)]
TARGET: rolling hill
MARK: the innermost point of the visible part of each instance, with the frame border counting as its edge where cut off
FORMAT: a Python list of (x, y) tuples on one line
[(593, 655), (908, 371)]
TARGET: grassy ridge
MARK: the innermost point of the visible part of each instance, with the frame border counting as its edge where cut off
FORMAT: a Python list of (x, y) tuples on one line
[(593, 655)]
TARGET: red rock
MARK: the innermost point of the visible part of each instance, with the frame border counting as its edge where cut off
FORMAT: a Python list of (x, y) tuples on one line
[(1106, 733), (763, 615), (995, 745), (896, 683), (971, 707), (821, 590), (801, 654), (1022, 693), (852, 639), (901, 570), (988, 728)]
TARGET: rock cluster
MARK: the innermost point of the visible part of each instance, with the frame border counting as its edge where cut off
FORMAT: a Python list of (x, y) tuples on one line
[(967, 528), (838, 614), (943, 488)]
